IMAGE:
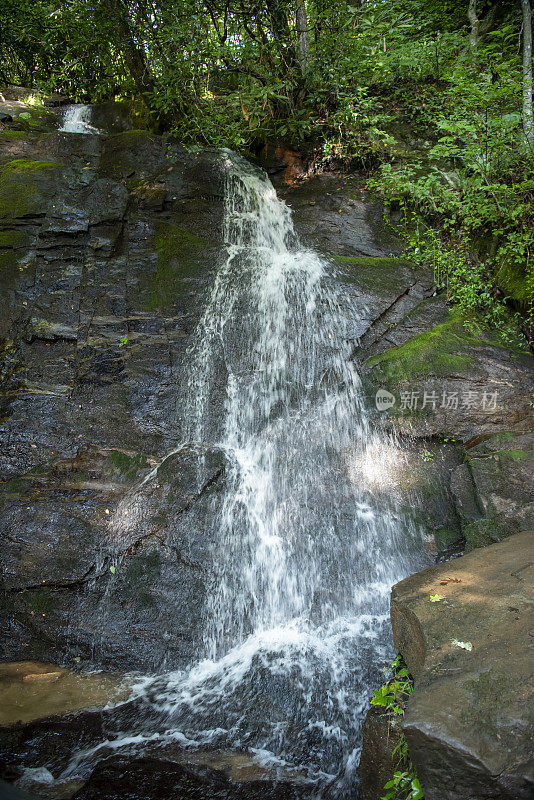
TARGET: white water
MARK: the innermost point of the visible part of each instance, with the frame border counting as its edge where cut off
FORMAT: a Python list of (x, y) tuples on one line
[(77, 119), (308, 539)]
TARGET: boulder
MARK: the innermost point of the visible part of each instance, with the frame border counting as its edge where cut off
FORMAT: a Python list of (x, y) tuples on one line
[(381, 733), (464, 630)]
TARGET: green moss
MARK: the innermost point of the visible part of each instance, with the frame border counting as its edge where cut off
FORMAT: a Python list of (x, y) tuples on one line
[(504, 455), (445, 537), (380, 274), (23, 164), (178, 252), (15, 486), (13, 134), (512, 278), (127, 465), (370, 261), (13, 238), (484, 532), (21, 186), (8, 268), (443, 350), (514, 455), (41, 600)]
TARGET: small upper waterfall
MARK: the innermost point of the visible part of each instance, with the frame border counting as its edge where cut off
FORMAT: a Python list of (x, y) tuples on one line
[(77, 119), (308, 538)]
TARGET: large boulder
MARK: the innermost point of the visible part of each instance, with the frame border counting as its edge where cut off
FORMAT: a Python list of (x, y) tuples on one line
[(464, 630)]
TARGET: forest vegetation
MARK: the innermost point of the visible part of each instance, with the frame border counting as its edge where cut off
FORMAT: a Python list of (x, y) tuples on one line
[(431, 100)]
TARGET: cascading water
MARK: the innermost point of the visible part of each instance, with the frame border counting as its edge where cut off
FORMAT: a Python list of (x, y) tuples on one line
[(77, 119), (308, 541)]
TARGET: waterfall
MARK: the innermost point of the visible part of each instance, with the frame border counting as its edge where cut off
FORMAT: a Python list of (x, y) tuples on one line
[(77, 119), (309, 537)]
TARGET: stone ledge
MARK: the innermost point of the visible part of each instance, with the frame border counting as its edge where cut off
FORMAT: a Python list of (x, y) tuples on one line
[(467, 722)]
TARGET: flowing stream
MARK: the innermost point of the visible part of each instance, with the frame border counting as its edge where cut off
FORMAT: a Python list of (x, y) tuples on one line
[(308, 539)]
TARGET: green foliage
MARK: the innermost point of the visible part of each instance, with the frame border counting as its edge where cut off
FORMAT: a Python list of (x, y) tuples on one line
[(403, 786), (468, 207), (426, 455), (232, 75), (395, 692), (392, 696)]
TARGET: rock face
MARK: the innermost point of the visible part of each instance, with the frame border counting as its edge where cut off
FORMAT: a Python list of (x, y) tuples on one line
[(165, 770), (468, 723), (381, 734), (106, 246), (494, 489), (451, 376)]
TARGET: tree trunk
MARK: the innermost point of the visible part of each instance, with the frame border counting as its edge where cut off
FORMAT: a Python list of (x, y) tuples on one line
[(474, 22), (528, 120), (303, 37), (133, 55)]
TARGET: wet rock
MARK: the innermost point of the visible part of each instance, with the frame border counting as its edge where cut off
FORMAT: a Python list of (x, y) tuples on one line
[(35, 755), (144, 778), (455, 378), (467, 723), (334, 215), (381, 733), (101, 293), (494, 490)]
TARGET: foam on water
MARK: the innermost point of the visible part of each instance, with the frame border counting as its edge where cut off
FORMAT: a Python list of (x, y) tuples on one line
[(309, 538), (77, 119)]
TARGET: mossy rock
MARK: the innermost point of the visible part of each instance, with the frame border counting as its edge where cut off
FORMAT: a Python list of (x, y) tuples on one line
[(8, 268), (512, 279), (381, 275), (40, 600), (445, 538), (449, 348), (13, 134), (24, 187), (484, 532), (126, 465), (13, 238), (131, 152), (178, 253), (503, 455), (444, 350)]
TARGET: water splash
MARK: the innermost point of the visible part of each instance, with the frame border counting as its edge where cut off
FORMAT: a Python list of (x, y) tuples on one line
[(77, 119), (309, 537)]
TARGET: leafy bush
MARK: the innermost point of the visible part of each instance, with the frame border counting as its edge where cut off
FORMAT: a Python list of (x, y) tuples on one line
[(404, 785)]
